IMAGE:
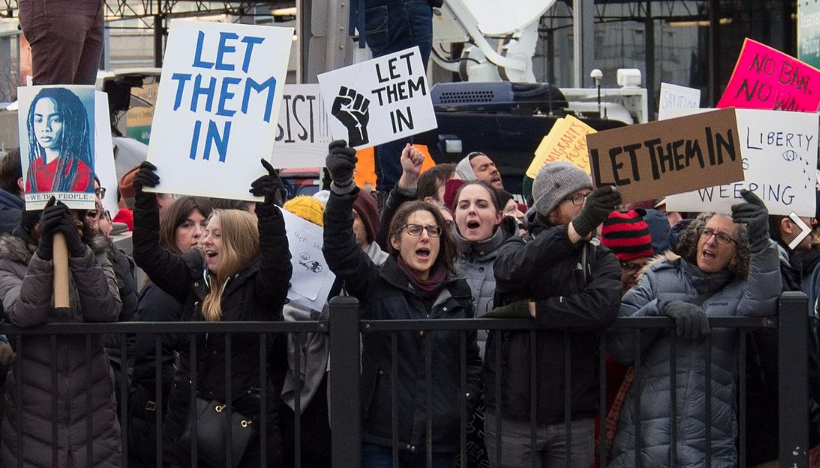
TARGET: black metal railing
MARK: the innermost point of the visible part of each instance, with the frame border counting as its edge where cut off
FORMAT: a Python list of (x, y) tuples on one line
[(345, 329)]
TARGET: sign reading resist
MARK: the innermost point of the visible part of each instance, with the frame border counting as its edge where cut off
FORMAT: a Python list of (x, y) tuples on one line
[(303, 132), (673, 156), (217, 107), (380, 100)]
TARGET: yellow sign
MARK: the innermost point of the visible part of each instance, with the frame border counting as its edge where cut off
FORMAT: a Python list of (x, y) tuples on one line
[(567, 141)]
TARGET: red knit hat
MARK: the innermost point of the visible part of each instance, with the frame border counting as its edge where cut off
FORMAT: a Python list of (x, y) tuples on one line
[(365, 206), (627, 235), (450, 189)]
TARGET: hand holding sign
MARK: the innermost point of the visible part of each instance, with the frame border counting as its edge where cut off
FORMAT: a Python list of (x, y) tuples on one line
[(753, 213), (268, 186), (351, 108), (340, 163), (599, 203)]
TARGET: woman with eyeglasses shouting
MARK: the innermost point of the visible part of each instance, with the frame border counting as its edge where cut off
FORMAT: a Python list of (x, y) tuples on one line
[(727, 267), (416, 282)]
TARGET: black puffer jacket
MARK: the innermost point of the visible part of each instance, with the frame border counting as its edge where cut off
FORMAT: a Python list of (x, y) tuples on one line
[(256, 293), (547, 269), (385, 293), (26, 286)]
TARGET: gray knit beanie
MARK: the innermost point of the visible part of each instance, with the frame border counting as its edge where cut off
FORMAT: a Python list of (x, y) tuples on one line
[(556, 181)]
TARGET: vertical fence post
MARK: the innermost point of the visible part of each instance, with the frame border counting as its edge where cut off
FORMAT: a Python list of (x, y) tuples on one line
[(345, 359), (793, 380)]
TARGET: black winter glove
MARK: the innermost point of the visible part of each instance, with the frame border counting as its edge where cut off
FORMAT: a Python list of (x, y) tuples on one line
[(73, 238), (600, 202), (269, 186), (145, 177), (341, 162), (49, 221), (690, 319), (756, 217)]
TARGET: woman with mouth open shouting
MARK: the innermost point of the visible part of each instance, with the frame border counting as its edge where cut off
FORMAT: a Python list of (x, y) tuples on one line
[(727, 267), (416, 282), (240, 274)]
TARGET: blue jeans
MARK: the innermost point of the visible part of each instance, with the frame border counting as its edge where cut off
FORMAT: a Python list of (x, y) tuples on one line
[(378, 456), (391, 26), (551, 444)]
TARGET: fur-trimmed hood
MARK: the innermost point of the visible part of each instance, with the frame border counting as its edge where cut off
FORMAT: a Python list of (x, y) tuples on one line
[(667, 256)]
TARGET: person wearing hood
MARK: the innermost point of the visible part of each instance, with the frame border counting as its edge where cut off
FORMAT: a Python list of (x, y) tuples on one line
[(11, 191), (80, 363), (479, 166), (727, 267), (575, 288)]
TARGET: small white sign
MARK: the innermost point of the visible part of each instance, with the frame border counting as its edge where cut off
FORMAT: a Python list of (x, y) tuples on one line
[(677, 97), (303, 132), (312, 279), (380, 100), (217, 107), (104, 167), (779, 151), (59, 143)]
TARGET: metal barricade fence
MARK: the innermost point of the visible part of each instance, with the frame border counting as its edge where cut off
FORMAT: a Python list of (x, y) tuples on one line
[(344, 329)]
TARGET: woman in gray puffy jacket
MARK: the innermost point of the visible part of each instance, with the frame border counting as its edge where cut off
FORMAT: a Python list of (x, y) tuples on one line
[(726, 269), (26, 286)]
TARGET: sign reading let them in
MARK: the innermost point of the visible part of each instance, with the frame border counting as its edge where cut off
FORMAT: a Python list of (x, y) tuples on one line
[(765, 78), (673, 156)]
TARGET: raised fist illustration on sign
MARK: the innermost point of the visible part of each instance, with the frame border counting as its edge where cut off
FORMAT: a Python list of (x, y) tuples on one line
[(352, 110)]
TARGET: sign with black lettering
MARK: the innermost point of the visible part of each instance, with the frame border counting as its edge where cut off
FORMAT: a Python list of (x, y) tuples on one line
[(217, 107), (303, 131), (673, 156), (779, 156), (380, 100)]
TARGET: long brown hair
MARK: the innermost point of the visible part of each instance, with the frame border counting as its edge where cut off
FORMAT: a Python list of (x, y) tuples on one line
[(240, 245), (178, 213), (447, 246)]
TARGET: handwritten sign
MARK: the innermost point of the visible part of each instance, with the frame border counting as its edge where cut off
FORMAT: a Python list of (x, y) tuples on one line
[(765, 78), (312, 279), (779, 154), (565, 142), (673, 156), (303, 131), (380, 100), (59, 144), (217, 106), (677, 97)]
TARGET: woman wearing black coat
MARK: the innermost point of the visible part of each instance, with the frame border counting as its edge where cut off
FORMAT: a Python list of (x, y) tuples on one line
[(416, 282), (243, 275)]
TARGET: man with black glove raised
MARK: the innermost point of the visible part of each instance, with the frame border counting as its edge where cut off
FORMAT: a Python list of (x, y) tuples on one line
[(576, 287)]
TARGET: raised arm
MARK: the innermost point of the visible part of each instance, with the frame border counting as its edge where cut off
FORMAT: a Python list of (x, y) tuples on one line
[(406, 190), (273, 280), (168, 271), (763, 285)]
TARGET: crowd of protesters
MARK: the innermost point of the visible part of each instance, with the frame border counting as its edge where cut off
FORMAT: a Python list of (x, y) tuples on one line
[(448, 243)]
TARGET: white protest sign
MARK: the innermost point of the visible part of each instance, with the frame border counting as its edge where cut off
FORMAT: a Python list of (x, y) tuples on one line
[(380, 100), (779, 151), (57, 130), (312, 279), (217, 107), (104, 167), (303, 132), (676, 97)]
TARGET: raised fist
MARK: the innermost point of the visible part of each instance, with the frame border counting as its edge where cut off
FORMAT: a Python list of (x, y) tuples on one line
[(352, 110)]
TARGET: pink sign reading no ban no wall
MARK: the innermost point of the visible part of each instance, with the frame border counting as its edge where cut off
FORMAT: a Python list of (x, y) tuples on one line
[(765, 78)]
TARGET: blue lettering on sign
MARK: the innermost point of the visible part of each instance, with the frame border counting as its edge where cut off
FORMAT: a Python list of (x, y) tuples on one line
[(219, 94)]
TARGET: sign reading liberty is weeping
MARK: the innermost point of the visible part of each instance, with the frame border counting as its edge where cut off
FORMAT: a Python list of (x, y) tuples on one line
[(217, 107), (380, 100)]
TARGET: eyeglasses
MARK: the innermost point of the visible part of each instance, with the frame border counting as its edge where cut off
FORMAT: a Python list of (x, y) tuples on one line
[(415, 229), (578, 199), (721, 238), (631, 268), (100, 192)]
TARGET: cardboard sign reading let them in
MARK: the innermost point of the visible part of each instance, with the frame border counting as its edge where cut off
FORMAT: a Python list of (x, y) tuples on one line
[(380, 100), (779, 152), (217, 107), (765, 78), (565, 142), (672, 156)]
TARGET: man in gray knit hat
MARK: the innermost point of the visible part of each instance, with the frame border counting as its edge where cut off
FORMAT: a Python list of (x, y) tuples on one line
[(573, 290)]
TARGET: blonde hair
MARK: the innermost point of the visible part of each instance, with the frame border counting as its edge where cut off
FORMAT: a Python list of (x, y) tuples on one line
[(240, 245)]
